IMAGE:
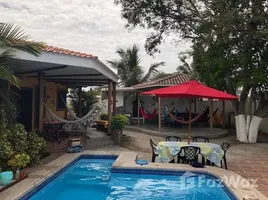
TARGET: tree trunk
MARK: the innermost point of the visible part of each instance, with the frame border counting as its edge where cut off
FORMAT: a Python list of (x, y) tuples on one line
[(240, 124), (254, 129), (247, 128)]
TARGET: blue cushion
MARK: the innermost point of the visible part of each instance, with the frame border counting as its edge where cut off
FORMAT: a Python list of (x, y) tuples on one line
[(141, 162)]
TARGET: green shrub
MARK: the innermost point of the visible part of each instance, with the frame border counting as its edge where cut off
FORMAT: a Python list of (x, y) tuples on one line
[(15, 141), (104, 116), (19, 161), (118, 122), (18, 138), (6, 150), (35, 146)]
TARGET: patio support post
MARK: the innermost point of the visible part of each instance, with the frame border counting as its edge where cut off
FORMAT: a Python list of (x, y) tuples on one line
[(114, 98), (210, 115), (223, 113), (138, 109), (41, 101), (159, 114), (79, 101), (109, 106), (190, 123)]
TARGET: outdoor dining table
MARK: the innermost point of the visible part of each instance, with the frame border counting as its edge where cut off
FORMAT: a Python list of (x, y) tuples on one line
[(167, 151)]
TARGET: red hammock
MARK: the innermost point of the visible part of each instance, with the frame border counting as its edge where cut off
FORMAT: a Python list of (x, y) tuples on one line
[(186, 122), (147, 115)]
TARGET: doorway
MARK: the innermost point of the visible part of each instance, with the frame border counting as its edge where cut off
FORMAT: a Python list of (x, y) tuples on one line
[(25, 101)]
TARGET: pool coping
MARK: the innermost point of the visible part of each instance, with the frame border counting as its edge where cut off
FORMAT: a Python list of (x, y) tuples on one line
[(125, 162)]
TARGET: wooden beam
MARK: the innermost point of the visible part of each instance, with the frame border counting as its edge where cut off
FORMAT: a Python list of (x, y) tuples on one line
[(109, 106), (67, 75), (223, 114), (79, 101), (138, 106), (159, 115), (43, 70), (41, 101), (210, 114), (114, 98)]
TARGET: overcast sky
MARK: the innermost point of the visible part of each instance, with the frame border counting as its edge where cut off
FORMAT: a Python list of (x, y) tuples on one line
[(89, 26)]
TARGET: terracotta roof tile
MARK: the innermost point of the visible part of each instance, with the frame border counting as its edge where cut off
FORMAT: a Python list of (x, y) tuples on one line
[(173, 79), (68, 52)]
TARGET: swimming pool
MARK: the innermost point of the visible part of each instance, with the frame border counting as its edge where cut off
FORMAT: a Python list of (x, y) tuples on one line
[(91, 178)]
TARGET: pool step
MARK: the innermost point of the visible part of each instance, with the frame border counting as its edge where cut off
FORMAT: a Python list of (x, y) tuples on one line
[(93, 143)]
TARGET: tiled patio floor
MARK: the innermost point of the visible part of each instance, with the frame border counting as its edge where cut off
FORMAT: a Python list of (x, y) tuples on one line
[(253, 167)]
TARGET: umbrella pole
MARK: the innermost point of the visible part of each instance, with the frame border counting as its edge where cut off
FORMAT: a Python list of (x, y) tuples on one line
[(189, 125), (159, 114)]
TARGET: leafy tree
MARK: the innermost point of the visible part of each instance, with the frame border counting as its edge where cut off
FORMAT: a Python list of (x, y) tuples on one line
[(88, 99), (129, 69), (229, 45)]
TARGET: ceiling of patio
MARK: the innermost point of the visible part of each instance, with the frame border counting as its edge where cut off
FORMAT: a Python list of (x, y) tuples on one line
[(66, 70)]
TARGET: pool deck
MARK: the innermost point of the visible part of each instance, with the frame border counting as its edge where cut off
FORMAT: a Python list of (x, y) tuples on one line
[(181, 132), (126, 160)]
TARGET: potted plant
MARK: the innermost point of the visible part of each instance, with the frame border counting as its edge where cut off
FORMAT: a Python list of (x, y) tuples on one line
[(118, 123), (104, 116), (18, 162)]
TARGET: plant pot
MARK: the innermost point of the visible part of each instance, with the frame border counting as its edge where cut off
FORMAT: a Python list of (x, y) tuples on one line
[(22, 174), (6, 177), (117, 136)]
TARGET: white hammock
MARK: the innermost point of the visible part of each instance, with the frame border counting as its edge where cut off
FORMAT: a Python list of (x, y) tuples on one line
[(75, 121), (69, 110)]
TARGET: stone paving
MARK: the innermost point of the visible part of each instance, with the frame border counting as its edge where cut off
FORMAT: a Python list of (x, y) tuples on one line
[(248, 160)]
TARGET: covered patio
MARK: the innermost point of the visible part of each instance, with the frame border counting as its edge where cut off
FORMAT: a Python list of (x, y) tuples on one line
[(47, 78)]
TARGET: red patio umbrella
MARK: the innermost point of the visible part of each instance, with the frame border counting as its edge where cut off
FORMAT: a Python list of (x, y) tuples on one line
[(191, 89)]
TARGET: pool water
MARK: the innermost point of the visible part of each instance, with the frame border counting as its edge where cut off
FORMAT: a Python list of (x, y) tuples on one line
[(91, 179)]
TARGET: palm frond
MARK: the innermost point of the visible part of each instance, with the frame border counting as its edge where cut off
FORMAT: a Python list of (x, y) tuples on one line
[(7, 75), (5, 56), (12, 36), (152, 71)]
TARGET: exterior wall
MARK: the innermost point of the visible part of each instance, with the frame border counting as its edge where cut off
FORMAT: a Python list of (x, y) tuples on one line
[(125, 100), (119, 100), (51, 92)]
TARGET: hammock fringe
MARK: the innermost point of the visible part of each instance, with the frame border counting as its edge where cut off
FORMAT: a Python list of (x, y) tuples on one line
[(85, 118), (180, 120)]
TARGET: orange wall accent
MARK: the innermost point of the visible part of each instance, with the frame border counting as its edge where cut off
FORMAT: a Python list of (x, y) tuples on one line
[(51, 92)]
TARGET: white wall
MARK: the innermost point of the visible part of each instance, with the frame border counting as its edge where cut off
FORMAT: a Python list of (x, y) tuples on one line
[(119, 101)]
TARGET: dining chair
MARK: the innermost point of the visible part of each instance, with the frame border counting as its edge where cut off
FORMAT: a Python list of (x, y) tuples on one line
[(190, 154), (173, 139), (153, 147), (225, 146), (201, 139)]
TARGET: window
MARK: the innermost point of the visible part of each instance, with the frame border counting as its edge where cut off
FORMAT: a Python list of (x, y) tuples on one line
[(61, 99)]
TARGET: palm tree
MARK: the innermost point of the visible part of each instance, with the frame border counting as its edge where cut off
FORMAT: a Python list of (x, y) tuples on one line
[(129, 69), (13, 38), (185, 67)]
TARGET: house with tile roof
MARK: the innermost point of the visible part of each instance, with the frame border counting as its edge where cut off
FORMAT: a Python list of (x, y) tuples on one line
[(45, 81), (126, 97)]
